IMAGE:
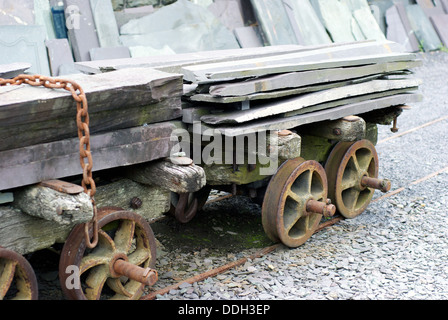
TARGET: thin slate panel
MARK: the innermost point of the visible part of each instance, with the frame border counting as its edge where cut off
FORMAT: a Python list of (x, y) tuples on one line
[(306, 23), (106, 25), (274, 22), (396, 30), (81, 28), (440, 23), (338, 20), (424, 31), (24, 44)]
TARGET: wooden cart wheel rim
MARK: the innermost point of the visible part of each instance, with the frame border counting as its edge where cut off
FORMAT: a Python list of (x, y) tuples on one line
[(351, 201), (75, 247), (284, 215), (23, 274)]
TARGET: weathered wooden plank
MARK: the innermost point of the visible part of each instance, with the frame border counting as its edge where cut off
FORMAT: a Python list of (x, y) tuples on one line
[(326, 114), (295, 103), (329, 57), (299, 79), (155, 201), (116, 100), (59, 159), (24, 233), (176, 178), (48, 204), (350, 128)]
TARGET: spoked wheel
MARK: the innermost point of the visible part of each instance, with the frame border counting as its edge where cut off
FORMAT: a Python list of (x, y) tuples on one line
[(122, 259), (295, 201), (352, 171), (17, 278), (184, 206)]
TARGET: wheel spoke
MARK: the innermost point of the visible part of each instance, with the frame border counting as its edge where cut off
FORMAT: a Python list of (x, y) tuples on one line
[(118, 288), (350, 197), (124, 235), (139, 256), (291, 214), (7, 269), (95, 281)]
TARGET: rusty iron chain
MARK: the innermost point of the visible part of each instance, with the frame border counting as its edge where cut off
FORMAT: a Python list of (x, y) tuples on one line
[(82, 122)]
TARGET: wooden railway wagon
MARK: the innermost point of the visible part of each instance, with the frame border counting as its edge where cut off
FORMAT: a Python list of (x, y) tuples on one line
[(292, 127)]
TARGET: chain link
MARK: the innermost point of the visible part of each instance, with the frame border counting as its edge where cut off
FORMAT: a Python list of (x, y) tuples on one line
[(82, 122)]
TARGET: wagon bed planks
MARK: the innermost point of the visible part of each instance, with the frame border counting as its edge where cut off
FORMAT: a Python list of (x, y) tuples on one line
[(58, 159)]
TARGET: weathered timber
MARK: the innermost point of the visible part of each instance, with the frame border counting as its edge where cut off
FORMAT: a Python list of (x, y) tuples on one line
[(122, 99), (52, 205), (25, 234), (176, 178), (326, 57), (252, 165), (299, 79), (327, 114), (155, 201), (54, 160), (350, 128), (316, 148), (272, 108)]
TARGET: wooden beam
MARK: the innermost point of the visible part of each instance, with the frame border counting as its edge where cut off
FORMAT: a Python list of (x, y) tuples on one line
[(48, 204), (176, 178), (55, 160)]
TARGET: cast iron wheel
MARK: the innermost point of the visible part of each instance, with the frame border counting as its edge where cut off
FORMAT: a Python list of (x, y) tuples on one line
[(17, 278), (352, 171), (184, 206), (295, 201), (125, 238)]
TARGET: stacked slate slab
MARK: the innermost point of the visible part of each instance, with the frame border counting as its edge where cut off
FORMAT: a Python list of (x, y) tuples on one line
[(132, 113), (291, 89)]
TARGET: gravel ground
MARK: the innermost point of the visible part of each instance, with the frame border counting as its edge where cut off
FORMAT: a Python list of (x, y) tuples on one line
[(396, 250)]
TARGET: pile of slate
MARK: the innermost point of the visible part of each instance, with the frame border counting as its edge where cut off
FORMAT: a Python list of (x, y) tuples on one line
[(50, 36), (294, 88)]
